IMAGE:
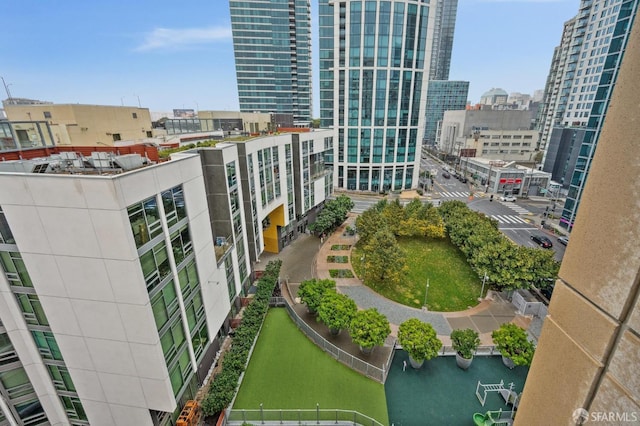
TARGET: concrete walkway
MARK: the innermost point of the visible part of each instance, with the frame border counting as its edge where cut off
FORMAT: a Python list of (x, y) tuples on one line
[(306, 258)]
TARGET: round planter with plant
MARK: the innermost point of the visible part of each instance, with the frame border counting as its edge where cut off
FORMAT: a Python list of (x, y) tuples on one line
[(369, 328), (514, 345), (420, 341), (464, 342), (336, 311)]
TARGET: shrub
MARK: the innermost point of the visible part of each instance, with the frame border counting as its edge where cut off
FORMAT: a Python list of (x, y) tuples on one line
[(336, 310), (224, 384), (465, 342), (513, 343), (419, 339), (312, 291), (369, 328)]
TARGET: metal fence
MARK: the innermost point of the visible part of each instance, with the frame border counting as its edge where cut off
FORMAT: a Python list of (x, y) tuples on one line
[(376, 373), (300, 417)]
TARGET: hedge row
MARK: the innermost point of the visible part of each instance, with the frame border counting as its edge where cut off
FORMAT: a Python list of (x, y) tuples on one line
[(224, 385)]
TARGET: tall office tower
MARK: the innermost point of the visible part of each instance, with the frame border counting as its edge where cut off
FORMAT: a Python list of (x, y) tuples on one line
[(618, 29), (585, 367), (444, 28), (272, 47), (380, 54), (442, 95)]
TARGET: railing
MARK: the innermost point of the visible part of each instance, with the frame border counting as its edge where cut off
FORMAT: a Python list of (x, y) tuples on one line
[(488, 350), (371, 371), (300, 417)]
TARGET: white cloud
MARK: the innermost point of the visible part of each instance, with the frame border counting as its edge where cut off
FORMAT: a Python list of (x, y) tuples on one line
[(167, 38)]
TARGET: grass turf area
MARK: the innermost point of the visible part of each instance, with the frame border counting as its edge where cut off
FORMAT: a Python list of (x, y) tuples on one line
[(453, 285), (288, 371)]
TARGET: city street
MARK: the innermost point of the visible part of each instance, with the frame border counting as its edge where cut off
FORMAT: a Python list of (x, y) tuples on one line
[(518, 221)]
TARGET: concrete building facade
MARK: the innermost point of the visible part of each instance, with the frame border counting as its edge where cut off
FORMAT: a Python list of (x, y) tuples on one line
[(119, 283), (494, 134), (87, 125)]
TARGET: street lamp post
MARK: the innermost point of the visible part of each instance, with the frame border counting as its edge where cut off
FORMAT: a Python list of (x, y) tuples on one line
[(426, 292), (484, 279)]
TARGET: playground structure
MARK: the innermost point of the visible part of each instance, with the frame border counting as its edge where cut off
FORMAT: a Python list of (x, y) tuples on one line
[(491, 418), (508, 394), (498, 417)]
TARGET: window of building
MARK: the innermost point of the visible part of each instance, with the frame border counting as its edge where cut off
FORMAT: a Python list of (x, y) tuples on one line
[(116, 137), (145, 219), (149, 134), (47, 114)]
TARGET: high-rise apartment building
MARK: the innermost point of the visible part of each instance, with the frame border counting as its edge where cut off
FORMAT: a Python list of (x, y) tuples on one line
[(119, 278), (442, 95), (375, 58), (618, 31), (444, 27), (272, 47), (577, 66), (585, 367), (581, 77)]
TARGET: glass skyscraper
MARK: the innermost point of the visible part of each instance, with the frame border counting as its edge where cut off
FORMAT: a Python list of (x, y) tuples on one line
[(374, 66), (443, 95), (272, 47), (445, 24)]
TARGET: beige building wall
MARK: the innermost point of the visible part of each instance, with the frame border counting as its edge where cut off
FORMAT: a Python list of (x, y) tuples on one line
[(87, 125), (588, 355), (260, 119)]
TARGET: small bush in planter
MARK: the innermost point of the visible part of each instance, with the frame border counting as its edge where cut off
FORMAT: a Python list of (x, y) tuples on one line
[(312, 291), (513, 343), (336, 311), (420, 341), (369, 328), (465, 342)]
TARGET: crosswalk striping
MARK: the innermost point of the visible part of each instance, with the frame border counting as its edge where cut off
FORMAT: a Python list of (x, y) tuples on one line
[(454, 194), (508, 218), (516, 208)]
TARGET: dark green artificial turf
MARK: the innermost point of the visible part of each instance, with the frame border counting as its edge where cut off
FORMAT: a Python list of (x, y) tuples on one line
[(288, 371), (442, 394)]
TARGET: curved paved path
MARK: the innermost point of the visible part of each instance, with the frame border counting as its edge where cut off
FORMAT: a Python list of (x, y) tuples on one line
[(306, 258)]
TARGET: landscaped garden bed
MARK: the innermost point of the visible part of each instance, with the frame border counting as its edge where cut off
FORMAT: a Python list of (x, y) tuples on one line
[(341, 247), (338, 259), (341, 273)]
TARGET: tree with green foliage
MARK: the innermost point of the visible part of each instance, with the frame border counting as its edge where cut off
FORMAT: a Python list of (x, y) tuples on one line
[(384, 261), (513, 343), (419, 340), (336, 311), (369, 328), (368, 223), (332, 215), (312, 291)]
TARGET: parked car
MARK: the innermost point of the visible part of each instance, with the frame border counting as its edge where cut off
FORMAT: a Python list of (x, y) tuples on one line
[(446, 175), (563, 240), (508, 198), (542, 241)]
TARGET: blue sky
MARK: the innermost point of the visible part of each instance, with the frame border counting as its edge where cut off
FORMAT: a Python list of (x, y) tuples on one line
[(169, 54)]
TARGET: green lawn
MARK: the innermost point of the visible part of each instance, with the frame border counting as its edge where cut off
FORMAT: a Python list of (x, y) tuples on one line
[(453, 286), (288, 371)]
